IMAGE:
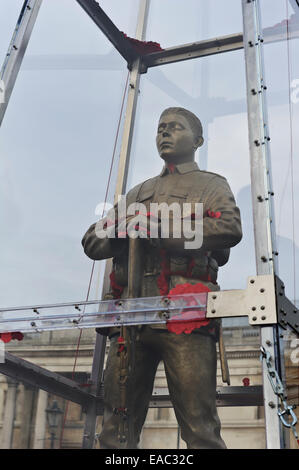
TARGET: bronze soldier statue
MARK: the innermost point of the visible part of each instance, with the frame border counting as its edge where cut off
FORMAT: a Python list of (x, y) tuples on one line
[(189, 358)]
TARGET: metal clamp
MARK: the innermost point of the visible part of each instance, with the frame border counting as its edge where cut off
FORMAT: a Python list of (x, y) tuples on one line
[(257, 301), (278, 389)]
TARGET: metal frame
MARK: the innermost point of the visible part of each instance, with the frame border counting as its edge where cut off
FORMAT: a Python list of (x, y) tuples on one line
[(262, 192), (17, 49), (261, 188), (121, 183)]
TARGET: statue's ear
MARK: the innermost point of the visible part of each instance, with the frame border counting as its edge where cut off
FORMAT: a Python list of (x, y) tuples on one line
[(198, 142)]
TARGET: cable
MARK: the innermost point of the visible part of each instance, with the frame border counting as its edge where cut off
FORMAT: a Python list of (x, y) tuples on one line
[(93, 263)]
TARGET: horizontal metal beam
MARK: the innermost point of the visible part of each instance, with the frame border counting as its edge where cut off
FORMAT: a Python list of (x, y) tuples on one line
[(193, 50), (113, 34), (56, 384), (225, 396), (214, 46)]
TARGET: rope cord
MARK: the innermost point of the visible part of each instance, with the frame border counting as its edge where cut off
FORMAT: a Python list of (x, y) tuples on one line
[(93, 263)]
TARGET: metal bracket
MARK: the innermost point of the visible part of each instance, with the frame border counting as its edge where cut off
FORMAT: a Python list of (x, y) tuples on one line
[(287, 312), (257, 301)]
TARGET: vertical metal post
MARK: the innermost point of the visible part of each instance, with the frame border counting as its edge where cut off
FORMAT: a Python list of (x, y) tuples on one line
[(16, 50), (261, 189), (121, 183)]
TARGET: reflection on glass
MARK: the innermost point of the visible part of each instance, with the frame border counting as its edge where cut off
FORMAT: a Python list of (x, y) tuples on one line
[(173, 22), (56, 145)]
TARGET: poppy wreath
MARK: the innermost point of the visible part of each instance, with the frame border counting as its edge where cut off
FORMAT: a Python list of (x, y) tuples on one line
[(7, 337), (191, 319)]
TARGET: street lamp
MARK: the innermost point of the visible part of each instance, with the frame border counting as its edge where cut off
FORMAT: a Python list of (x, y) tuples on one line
[(53, 416)]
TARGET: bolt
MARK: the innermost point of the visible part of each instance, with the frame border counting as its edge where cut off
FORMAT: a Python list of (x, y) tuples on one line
[(214, 297), (268, 342), (262, 290), (263, 307), (213, 311), (253, 91), (33, 323), (254, 318), (264, 259), (263, 317), (251, 281), (257, 143), (271, 404), (260, 198), (253, 308)]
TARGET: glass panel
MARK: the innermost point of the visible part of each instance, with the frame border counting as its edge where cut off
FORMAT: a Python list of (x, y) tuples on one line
[(242, 427), (9, 13), (173, 22), (221, 106), (57, 142), (282, 79), (123, 14)]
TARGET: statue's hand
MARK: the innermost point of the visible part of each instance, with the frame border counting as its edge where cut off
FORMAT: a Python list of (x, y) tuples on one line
[(140, 225)]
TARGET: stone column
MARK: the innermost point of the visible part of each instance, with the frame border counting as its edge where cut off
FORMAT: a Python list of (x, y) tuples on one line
[(9, 414), (40, 420), (26, 418)]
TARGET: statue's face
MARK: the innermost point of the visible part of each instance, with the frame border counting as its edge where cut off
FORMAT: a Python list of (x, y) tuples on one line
[(175, 139)]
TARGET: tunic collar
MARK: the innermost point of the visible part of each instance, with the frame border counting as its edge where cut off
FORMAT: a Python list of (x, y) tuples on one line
[(181, 168)]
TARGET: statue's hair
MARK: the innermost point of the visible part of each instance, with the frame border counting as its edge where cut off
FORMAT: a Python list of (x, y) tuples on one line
[(193, 120)]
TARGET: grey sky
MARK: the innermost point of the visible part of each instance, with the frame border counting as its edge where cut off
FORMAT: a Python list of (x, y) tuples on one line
[(57, 137)]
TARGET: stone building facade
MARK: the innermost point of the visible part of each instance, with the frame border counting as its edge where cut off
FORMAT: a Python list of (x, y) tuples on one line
[(23, 420)]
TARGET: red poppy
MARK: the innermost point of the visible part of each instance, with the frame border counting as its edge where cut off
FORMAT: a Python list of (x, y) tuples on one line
[(191, 319)]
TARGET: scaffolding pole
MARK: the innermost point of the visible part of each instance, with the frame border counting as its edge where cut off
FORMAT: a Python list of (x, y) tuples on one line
[(262, 193), (121, 183), (16, 50)]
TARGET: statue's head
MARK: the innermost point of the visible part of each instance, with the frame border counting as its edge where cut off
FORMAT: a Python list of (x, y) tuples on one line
[(179, 135)]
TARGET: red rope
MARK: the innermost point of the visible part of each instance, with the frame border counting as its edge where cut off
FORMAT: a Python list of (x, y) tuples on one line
[(93, 263)]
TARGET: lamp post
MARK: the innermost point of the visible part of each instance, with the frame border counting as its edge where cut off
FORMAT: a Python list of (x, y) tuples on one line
[(53, 417)]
